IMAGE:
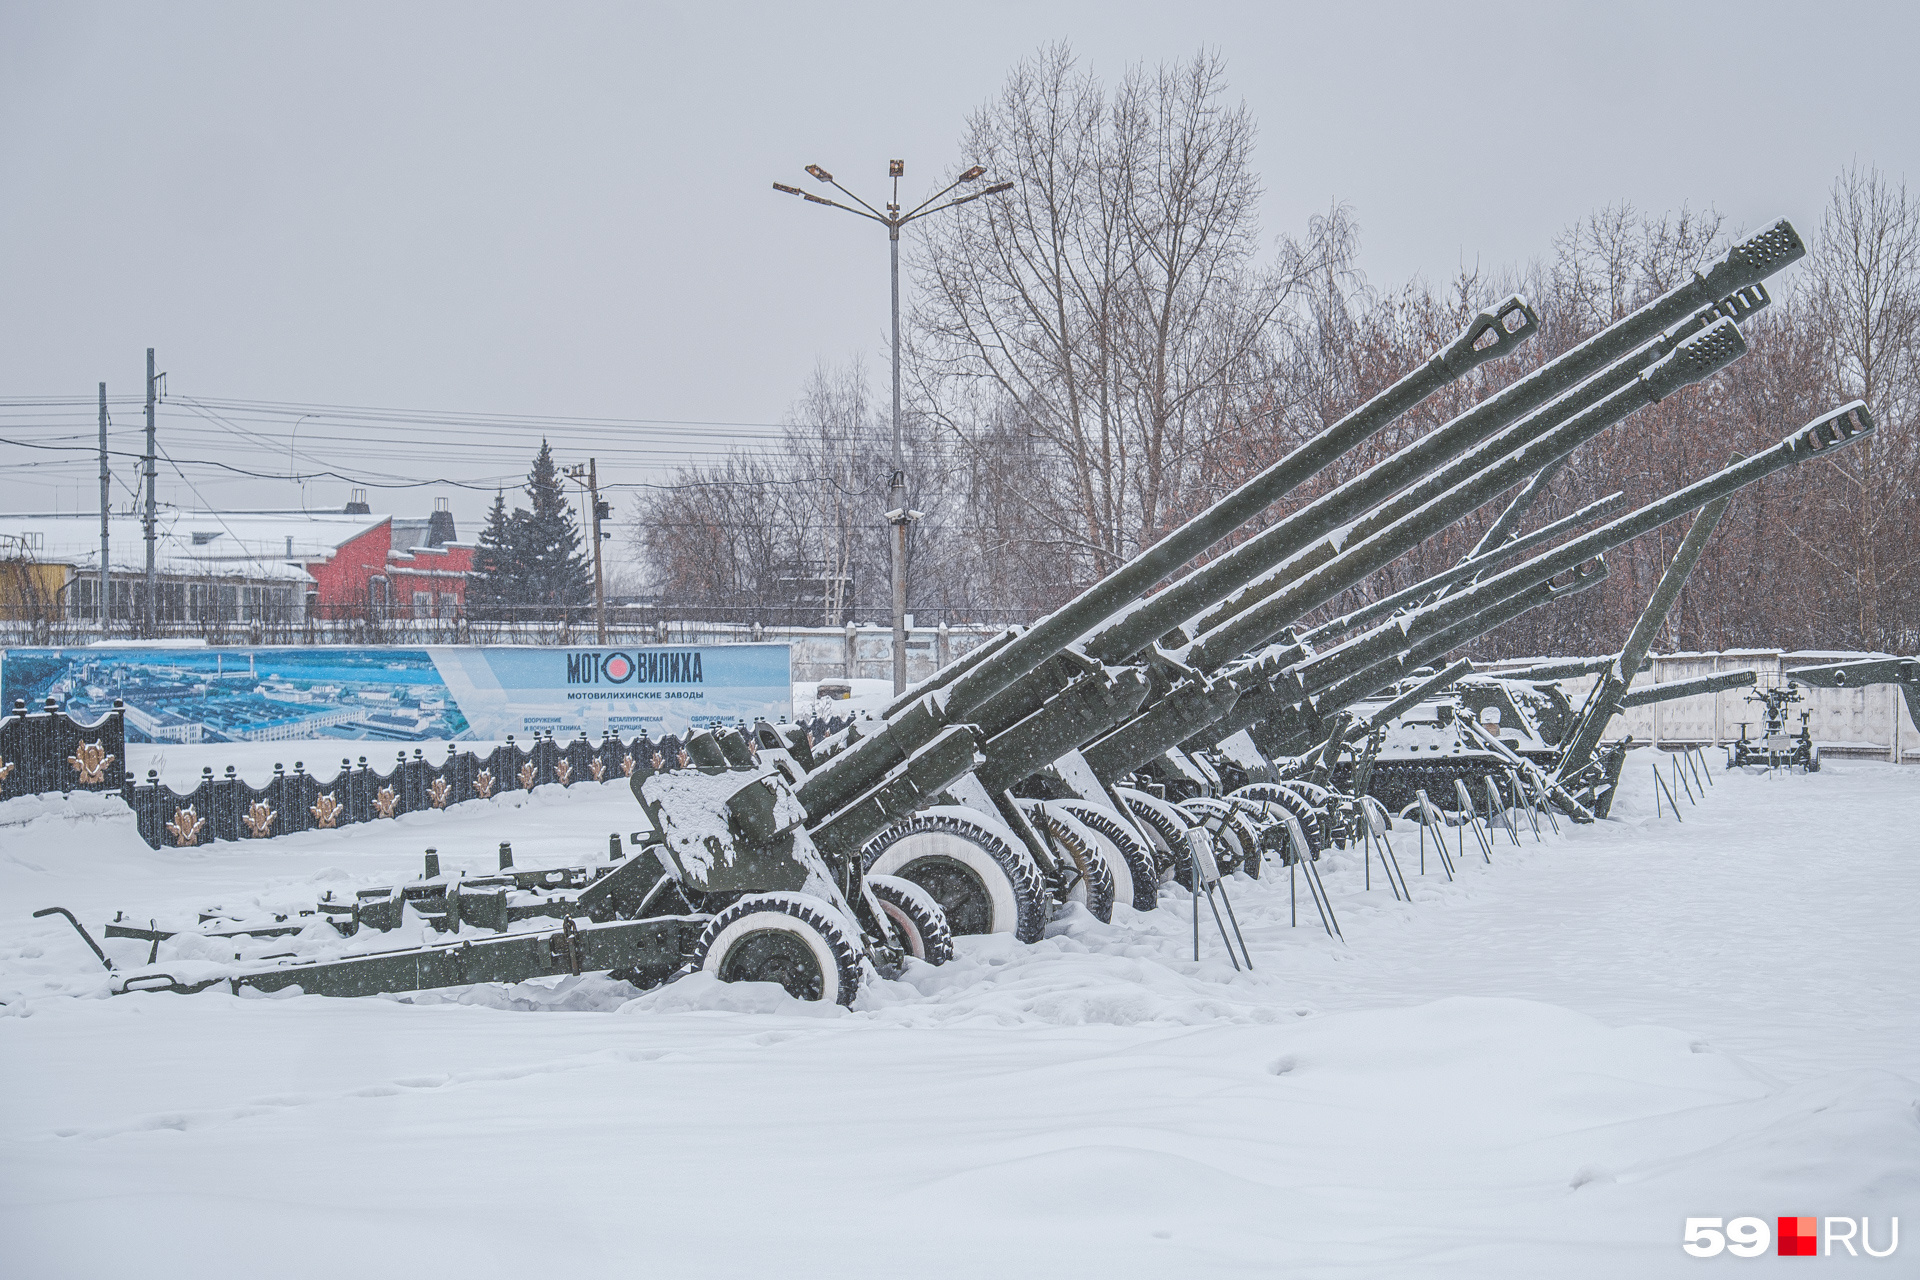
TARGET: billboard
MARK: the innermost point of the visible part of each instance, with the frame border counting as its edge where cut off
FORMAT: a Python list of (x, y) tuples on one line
[(405, 695)]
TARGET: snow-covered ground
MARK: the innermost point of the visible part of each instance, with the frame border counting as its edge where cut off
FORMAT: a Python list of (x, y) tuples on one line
[(1539, 1070)]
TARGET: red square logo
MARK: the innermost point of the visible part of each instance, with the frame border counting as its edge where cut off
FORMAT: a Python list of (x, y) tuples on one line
[(1799, 1237)]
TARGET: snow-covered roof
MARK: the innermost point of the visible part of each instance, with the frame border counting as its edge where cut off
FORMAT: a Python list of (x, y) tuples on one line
[(260, 545)]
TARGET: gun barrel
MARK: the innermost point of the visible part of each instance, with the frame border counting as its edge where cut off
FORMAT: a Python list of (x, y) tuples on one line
[(1475, 463), (1301, 698), (1087, 709), (1604, 699), (1444, 679), (1465, 569), (1901, 672), (1694, 359), (1545, 671), (1192, 706), (1493, 333), (1648, 694), (1456, 628), (1692, 306), (1375, 659)]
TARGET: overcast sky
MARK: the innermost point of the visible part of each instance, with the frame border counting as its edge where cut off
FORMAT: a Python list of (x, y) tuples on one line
[(565, 210)]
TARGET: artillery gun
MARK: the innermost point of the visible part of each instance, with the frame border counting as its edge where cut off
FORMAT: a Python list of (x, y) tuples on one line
[(1778, 746)]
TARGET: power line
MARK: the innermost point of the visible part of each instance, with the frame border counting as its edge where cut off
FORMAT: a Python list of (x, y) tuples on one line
[(486, 485)]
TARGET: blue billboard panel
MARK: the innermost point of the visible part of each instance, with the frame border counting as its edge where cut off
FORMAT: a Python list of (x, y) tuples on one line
[(405, 695)]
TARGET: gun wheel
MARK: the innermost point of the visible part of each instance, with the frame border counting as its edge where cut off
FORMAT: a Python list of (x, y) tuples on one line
[(1092, 875), (984, 880), (1167, 827), (788, 938), (917, 916), (1282, 796), (1135, 879)]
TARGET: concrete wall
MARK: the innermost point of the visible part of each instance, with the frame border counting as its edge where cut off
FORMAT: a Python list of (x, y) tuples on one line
[(1870, 723), (866, 653)]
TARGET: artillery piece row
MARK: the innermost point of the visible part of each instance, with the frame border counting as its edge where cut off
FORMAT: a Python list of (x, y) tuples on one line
[(1160, 728)]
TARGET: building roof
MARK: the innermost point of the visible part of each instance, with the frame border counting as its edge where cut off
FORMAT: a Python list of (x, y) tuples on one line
[(259, 545)]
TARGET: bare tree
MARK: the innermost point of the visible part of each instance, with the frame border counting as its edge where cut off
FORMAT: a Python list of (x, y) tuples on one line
[(1865, 300), (1110, 309)]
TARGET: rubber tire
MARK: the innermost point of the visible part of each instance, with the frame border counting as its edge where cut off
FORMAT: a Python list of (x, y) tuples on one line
[(1317, 796), (1283, 797), (818, 928), (1237, 832), (921, 923), (1140, 885), (1097, 885), (933, 843), (1167, 824)]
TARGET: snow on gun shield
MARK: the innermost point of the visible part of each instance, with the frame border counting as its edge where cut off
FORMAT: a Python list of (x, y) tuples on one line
[(734, 833)]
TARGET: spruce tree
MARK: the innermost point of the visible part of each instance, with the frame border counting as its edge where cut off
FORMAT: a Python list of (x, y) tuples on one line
[(494, 587), (552, 571)]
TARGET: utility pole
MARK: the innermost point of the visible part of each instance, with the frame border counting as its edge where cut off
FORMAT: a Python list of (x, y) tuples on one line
[(897, 515), (150, 612), (601, 511), (588, 478), (106, 574)]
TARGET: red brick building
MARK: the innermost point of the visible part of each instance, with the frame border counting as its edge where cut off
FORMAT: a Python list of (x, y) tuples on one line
[(392, 566)]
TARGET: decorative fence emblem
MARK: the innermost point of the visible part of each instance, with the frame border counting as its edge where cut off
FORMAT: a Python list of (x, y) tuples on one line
[(90, 761), (186, 827), (326, 810), (259, 819)]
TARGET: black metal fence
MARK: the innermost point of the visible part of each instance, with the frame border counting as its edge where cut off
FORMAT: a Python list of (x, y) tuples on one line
[(50, 752)]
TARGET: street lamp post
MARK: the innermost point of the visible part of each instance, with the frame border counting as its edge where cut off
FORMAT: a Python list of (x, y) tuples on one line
[(897, 513)]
